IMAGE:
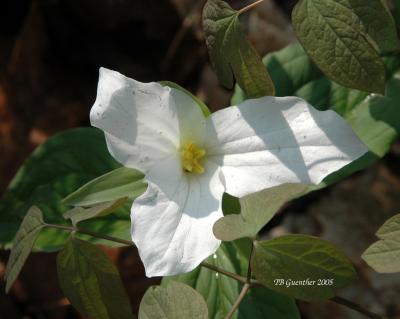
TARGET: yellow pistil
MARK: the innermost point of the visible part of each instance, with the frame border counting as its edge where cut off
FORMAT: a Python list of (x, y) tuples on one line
[(191, 156)]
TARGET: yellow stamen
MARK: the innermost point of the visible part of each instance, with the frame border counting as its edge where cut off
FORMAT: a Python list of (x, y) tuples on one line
[(191, 156)]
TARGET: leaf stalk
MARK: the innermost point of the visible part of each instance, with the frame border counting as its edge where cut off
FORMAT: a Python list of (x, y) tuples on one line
[(250, 6), (247, 282), (232, 275), (90, 233), (236, 305)]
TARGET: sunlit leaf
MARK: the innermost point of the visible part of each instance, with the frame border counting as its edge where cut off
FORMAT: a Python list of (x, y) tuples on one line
[(390, 229), (78, 214), (91, 282), (384, 255), (256, 210), (121, 182)]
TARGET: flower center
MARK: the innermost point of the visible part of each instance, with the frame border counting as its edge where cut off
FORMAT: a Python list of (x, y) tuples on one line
[(191, 156)]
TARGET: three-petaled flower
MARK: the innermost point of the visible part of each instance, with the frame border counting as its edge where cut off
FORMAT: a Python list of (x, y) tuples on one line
[(190, 160)]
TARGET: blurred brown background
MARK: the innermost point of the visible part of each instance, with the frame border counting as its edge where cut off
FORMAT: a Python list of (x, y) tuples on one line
[(50, 53)]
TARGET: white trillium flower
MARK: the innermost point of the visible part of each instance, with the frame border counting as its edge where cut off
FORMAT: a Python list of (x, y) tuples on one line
[(190, 160)]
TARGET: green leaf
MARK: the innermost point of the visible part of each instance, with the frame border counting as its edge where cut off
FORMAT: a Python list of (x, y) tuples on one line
[(375, 119), (314, 267), (220, 292), (201, 104), (78, 214), (335, 38), (256, 210), (230, 204), (55, 169), (91, 282), (378, 23), (384, 255), (390, 229), (30, 228), (397, 11), (114, 185), (230, 52), (262, 302), (172, 301)]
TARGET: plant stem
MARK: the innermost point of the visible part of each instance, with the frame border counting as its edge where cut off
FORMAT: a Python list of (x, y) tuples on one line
[(248, 282), (250, 6), (224, 272), (90, 233), (249, 266), (236, 305), (255, 283), (356, 307)]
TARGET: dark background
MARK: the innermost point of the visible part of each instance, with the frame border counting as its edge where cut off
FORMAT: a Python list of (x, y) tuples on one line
[(50, 53)]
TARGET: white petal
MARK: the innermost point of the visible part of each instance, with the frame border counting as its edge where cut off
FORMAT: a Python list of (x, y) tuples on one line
[(143, 121), (269, 141), (173, 232)]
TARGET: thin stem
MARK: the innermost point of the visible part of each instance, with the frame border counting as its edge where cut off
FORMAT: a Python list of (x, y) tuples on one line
[(236, 305), (90, 233), (248, 282), (249, 266), (250, 6), (224, 272), (356, 307)]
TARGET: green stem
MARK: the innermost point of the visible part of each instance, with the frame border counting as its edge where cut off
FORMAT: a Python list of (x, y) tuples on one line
[(249, 265), (224, 272), (90, 233), (248, 282), (236, 305), (250, 6)]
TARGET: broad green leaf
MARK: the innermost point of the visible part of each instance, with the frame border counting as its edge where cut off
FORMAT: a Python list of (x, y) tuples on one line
[(384, 255), (30, 228), (378, 23), (230, 204), (309, 268), (390, 229), (335, 38), (220, 292), (121, 182), (91, 282), (375, 119), (172, 301), (256, 210), (201, 104), (262, 302), (55, 169), (78, 214), (230, 52)]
